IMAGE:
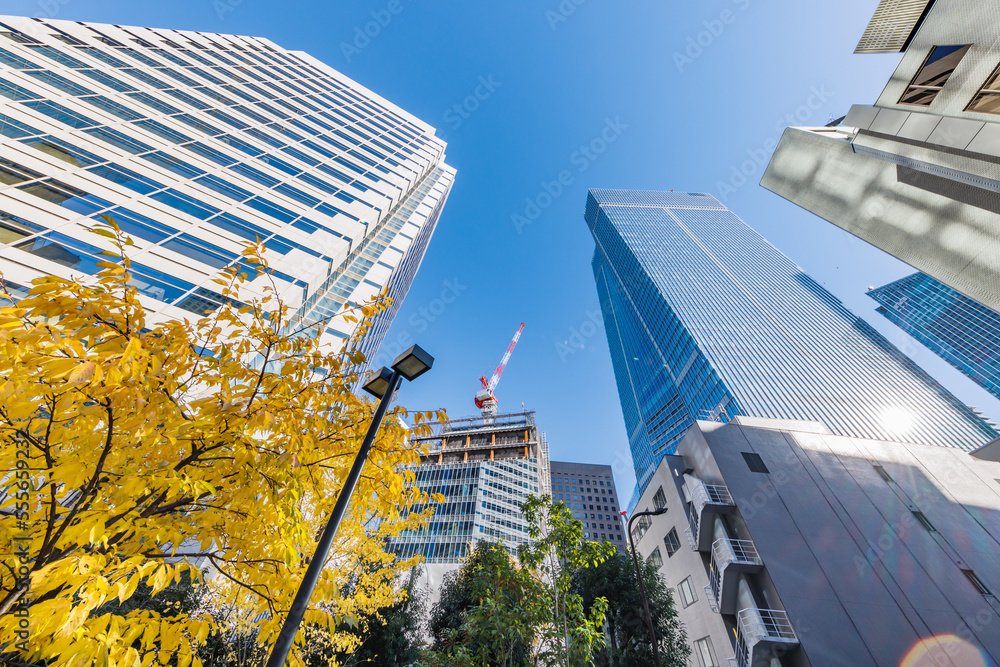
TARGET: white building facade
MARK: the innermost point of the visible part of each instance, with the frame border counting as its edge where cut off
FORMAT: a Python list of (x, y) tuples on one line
[(197, 144), (917, 173)]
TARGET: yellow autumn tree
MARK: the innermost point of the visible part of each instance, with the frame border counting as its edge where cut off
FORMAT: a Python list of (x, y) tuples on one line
[(132, 452)]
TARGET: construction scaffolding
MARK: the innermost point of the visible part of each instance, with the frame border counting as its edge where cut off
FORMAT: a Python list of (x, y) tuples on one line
[(485, 467)]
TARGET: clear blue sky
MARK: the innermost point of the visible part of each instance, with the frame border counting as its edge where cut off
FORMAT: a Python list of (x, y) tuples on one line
[(556, 84)]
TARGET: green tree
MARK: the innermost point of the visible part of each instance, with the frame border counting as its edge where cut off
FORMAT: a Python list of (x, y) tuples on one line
[(494, 611), (558, 551), (628, 634), (488, 613)]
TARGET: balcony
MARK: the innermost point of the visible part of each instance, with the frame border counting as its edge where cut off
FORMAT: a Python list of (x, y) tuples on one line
[(762, 634), (690, 539), (729, 559), (707, 500)]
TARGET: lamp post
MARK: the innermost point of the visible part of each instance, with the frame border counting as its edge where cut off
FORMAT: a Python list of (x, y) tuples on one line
[(382, 385), (642, 587)]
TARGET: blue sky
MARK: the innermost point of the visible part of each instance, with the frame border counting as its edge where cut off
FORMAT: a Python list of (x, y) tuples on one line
[(684, 95)]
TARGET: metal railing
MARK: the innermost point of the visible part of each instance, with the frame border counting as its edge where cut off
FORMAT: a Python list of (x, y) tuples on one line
[(690, 538), (713, 601), (704, 494), (726, 551), (756, 625)]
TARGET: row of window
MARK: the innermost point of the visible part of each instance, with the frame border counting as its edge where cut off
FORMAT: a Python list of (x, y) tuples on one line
[(934, 73), (274, 60), (323, 99)]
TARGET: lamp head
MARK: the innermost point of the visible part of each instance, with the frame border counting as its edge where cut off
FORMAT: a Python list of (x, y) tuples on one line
[(413, 363), (378, 383)]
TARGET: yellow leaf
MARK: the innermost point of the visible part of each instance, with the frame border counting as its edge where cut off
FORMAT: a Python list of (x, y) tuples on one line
[(83, 373), (131, 350)]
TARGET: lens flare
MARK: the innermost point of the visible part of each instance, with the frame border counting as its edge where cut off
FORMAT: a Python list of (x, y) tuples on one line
[(945, 651)]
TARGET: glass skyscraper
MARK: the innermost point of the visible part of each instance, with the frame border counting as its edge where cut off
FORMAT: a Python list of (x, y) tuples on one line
[(961, 331), (707, 320), (196, 144)]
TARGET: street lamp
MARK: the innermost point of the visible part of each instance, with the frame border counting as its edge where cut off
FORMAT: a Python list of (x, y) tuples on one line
[(642, 587), (382, 385)]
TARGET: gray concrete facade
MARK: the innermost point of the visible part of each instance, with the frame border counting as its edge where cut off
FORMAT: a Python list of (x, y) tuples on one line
[(921, 181), (852, 552)]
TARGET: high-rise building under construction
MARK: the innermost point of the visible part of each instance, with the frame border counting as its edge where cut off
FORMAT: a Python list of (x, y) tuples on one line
[(485, 467)]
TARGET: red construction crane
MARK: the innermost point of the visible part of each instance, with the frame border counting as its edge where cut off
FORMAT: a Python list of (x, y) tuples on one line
[(485, 400)]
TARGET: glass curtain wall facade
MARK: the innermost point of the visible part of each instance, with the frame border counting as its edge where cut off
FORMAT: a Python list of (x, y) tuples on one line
[(707, 320), (197, 144), (961, 331), (485, 471)]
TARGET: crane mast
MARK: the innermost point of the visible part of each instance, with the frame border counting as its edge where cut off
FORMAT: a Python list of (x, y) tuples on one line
[(485, 400)]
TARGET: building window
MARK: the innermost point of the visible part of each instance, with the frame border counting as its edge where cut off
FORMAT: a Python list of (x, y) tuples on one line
[(704, 652), (685, 590), (656, 558), (976, 581), (640, 528), (988, 98), (754, 462), (671, 541), (933, 74), (882, 473), (660, 499)]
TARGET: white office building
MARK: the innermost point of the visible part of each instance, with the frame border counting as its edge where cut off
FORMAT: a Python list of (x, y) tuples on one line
[(196, 144), (917, 173)]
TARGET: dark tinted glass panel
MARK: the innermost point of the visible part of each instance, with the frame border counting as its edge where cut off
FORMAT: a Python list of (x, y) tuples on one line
[(985, 103), (988, 99), (933, 74), (13, 228), (939, 65), (12, 173), (15, 130), (754, 462), (62, 150)]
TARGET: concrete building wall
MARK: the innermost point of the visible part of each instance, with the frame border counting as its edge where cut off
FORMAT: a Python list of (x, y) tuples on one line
[(951, 22), (921, 182), (863, 578), (943, 227), (698, 618)]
